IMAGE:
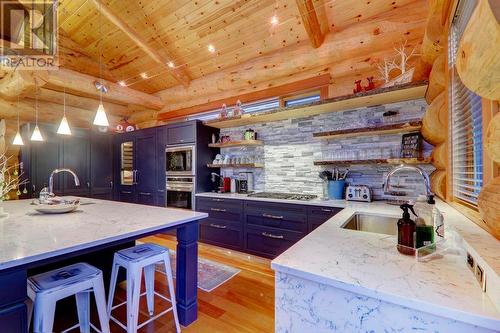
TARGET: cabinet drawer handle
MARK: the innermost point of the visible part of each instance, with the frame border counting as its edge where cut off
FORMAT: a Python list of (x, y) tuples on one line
[(217, 210), (268, 235), (276, 217), (326, 210), (218, 200), (161, 191), (144, 193), (218, 226), (126, 192)]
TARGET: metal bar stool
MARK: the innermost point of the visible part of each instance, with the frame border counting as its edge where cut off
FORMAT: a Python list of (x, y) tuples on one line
[(45, 289), (134, 260)]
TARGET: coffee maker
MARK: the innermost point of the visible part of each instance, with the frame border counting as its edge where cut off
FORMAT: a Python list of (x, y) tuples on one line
[(246, 182)]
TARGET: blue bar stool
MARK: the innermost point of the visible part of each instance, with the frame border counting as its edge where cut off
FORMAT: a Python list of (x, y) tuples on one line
[(134, 260), (45, 289)]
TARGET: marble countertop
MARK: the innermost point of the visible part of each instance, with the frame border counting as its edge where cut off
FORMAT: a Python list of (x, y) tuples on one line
[(27, 236), (314, 202), (369, 264)]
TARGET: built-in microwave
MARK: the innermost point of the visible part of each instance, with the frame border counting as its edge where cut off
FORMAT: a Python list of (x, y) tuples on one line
[(180, 160)]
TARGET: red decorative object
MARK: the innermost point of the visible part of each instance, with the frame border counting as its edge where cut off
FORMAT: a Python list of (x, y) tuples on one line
[(358, 87), (371, 84), (124, 126)]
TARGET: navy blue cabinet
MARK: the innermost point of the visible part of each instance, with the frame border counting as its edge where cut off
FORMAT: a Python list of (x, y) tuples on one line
[(180, 133), (135, 166), (101, 165), (87, 154), (76, 156), (262, 228), (224, 225), (317, 215), (161, 146)]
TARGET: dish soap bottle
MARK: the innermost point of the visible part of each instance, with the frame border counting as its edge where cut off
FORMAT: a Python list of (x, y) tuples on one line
[(406, 231), (424, 208)]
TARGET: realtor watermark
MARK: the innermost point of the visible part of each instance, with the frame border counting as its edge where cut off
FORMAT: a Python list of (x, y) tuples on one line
[(28, 34)]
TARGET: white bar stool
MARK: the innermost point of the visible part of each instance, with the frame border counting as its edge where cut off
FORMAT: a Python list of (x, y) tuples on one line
[(45, 289), (134, 260)]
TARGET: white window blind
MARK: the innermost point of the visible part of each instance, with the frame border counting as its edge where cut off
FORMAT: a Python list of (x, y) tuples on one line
[(466, 121)]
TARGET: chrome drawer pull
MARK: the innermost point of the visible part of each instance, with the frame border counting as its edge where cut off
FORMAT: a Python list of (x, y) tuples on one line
[(218, 200), (268, 235), (126, 192), (218, 226), (217, 210), (326, 210), (276, 217), (144, 193)]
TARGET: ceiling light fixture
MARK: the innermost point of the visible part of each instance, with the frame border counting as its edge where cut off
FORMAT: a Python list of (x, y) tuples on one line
[(211, 48), (37, 135), (144, 75), (122, 83), (274, 20), (171, 64), (18, 139), (64, 126), (100, 117)]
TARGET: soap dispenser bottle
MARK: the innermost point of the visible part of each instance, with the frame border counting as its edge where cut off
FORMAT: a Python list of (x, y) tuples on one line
[(424, 208), (406, 231)]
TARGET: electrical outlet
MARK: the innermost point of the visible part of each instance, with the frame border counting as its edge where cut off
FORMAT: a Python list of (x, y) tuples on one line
[(470, 261), (481, 278)]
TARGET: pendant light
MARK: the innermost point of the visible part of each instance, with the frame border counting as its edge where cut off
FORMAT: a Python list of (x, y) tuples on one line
[(100, 117), (18, 139), (37, 135), (64, 126)]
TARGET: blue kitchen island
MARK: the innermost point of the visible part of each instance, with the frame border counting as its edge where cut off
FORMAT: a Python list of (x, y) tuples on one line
[(30, 242)]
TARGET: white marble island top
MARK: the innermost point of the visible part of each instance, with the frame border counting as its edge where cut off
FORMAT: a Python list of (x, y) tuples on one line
[(369, 264), (27, 236)]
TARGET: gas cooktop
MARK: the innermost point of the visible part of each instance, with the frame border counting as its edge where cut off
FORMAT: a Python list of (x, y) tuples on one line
[(285, 196)]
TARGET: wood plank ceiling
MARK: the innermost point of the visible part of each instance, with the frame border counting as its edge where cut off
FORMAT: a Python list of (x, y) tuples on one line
[(181, 31)]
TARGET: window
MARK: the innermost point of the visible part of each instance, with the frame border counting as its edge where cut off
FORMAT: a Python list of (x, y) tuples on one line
[(302, 100), (258, 106), (466, 121)]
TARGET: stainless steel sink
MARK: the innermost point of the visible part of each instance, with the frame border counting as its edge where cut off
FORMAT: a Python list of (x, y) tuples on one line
[(373, 223)]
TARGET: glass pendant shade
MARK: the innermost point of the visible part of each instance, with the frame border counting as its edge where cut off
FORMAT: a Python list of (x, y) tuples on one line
[(64, 127), (37, 135), (18, 140), (100, 117)]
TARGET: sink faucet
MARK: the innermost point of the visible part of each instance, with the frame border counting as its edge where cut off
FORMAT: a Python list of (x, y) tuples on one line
[(403, 167), (56, 171)]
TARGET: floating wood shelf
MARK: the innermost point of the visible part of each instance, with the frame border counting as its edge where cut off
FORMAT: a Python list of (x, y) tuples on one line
[(365, 99), (413, 126), (237, 143), (377, 161), (243, 165)]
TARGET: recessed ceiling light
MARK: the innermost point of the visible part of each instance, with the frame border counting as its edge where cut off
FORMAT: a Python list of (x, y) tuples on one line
[(171, 64), (211, 48), (144, 75), (274, 20), (122, 83)]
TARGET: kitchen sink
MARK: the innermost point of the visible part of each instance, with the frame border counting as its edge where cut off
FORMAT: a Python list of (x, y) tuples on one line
[(373, 223)]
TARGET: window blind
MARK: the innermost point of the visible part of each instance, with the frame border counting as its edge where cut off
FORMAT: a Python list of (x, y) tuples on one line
[(466, 121)]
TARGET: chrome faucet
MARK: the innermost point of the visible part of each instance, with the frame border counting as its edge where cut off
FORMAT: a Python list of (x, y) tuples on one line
[(56, 171), (402, 167)]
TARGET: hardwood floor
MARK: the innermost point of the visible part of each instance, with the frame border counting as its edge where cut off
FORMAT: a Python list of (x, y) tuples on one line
[(243, 304)]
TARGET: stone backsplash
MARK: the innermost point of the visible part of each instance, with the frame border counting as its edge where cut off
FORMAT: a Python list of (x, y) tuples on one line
[(289, 150)]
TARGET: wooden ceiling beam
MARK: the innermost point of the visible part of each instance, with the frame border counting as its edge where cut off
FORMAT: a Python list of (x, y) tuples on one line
[(49, 113), (20, 83), (178, 73), (303, 85), (84, 85), (311, 22)]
